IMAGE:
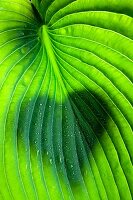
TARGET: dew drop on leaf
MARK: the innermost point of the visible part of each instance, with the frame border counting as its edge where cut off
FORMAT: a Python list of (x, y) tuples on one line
[(51, 161), (60, 160), (71, 166), (38, 152)]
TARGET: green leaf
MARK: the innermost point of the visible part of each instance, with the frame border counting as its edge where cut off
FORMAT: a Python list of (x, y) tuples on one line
[(66, 99)]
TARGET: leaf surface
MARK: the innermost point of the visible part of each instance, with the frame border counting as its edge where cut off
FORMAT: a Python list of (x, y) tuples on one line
[(66, 99)]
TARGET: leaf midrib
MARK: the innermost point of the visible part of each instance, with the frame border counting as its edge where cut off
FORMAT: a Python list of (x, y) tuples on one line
[(50, 53)]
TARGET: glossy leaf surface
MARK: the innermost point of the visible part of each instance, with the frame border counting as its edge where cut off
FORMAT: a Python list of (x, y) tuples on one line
[(66, 99)]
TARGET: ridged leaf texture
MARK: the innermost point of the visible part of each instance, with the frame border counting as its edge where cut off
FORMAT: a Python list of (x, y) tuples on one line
[(66, 99)]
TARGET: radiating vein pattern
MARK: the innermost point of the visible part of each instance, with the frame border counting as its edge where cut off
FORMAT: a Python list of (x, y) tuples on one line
[(66, 100)]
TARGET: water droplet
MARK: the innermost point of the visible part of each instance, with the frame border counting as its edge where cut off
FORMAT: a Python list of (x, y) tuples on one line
[(50, 160), (71, 166), (38, 152), (60, 159)]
